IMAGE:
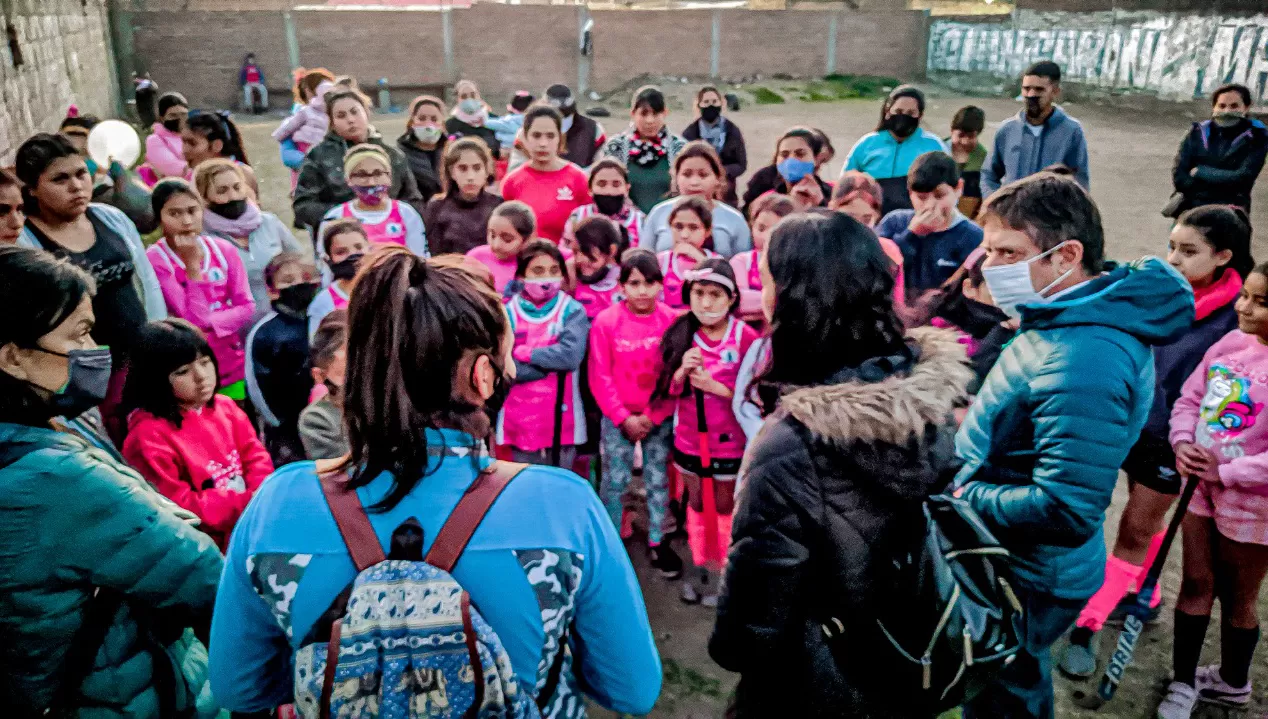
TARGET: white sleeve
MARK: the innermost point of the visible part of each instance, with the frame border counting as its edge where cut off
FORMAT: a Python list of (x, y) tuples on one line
[(746, 412), (415, 232)]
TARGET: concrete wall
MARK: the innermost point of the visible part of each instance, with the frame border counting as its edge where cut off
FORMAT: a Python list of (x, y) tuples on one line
[(1175, 56), (508, 47), (64, 49)]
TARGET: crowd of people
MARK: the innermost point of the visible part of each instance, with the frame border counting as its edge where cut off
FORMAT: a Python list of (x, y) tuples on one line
[(394, 462)]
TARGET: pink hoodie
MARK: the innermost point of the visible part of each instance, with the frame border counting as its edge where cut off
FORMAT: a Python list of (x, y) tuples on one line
[(220, 304), (1221, 408), (164, 152), (625, 361), (211, 465)]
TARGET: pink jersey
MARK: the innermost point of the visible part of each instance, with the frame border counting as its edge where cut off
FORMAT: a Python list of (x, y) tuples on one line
[(390, 231), (1221, 408), (527, 420), (722, 360), (600, 295), (625, 361), (503, 270), (674, 266), (630, 217), (748, 278)]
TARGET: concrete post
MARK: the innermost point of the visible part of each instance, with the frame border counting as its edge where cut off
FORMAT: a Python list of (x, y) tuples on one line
[(123, 49), (446, 23), (715, 50), (292, 40), (831, 65), (583, 60)]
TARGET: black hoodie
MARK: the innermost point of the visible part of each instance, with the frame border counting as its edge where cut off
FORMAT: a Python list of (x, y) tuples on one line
[(831, 486)]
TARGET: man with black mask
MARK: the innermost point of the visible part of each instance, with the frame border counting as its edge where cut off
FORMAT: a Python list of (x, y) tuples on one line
[(583, 136), (1039, 136)]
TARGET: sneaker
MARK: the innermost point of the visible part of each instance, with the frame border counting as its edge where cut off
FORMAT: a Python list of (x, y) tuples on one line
[(1178, 704), (689, 595), (1078, 661), (665, 561), (1212, 688), (1117, 616)]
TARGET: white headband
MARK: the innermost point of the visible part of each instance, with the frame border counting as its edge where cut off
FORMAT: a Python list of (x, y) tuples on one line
[(709, 275)]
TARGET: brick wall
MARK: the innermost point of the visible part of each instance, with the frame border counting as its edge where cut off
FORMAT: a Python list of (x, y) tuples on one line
[(507, 47), (65, 58)]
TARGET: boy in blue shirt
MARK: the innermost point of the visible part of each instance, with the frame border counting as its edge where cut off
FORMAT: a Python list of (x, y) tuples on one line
[(935, 237)]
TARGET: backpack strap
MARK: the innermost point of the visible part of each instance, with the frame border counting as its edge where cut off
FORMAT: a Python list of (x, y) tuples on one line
[(354, 526), (465, 518)]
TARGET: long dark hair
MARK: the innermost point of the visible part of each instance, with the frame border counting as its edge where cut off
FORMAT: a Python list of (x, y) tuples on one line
[(1224, 227), (162, 348), (682, 331), (411, 326), (217, 125), (48, 290), (833, 292), (33, 158)]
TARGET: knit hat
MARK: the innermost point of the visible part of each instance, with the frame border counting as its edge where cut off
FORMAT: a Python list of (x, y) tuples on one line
[(521, 101), (365, 150), (168, 100)]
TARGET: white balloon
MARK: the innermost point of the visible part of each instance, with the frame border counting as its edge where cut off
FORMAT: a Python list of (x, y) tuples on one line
[(114, 140)]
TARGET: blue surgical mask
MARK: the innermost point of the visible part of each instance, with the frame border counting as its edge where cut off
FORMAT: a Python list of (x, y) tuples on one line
[(793, 170), (470, 105)]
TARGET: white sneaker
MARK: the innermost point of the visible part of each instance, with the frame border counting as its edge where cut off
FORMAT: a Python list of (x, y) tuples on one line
[(1178, 704), (1212, 688)]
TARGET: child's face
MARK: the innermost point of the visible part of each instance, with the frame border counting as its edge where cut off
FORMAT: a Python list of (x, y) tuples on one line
[(688, 229), (710, 303), (226, 186), (504, 239), (963, 141), (640, 293), (763, 224), (181, 217), (195, 146), (1252, 307), (696, 177), (470, 173), (542, 140), (647, 121), (1194, 257), (349, 120), (543, 267), (290, 275), (859, 209), (593, 262), (336, 372), (369, 172), (609, 182), (346, 244), (194, 384), (941, 201)]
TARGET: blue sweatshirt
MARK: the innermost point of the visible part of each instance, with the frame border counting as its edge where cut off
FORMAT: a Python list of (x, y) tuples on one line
[(546, 558), (931, 259), (1019, 153)]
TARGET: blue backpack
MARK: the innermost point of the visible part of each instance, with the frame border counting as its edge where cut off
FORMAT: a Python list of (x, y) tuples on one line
[(405, 640)]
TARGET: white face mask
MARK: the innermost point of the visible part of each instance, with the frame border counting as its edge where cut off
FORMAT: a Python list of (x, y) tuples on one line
[(1010, 285)]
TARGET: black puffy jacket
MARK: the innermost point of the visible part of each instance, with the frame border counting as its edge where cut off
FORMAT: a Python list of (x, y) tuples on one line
[(831, 486)]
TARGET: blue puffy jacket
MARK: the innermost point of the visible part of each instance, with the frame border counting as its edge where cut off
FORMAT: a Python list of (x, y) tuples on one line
[(1055, 418)]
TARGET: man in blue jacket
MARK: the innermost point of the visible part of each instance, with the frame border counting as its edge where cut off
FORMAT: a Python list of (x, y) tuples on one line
[(1055, 417), (1039, 136)]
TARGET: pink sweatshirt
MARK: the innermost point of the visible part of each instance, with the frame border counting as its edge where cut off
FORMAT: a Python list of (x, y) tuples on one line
[(748, 279), (625, 361), (164, 152), (503, 270), (1221, 408), (211, 465), (220, 304)]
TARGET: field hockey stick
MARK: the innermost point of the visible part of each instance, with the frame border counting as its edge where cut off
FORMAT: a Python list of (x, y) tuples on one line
[(556, 447), (706, 480), (1134, 623)]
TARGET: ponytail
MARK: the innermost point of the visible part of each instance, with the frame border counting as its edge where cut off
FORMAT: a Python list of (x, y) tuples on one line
[(217, 125)]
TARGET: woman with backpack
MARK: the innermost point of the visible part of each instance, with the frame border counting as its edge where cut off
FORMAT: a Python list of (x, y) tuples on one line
[(553, 599), (858, 434)]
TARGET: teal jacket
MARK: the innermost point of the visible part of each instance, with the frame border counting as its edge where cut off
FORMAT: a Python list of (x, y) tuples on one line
[(1043, 441), (73, 519)]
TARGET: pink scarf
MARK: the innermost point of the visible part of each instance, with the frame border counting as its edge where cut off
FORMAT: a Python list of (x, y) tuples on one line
[(1217, 294), (249, 222)]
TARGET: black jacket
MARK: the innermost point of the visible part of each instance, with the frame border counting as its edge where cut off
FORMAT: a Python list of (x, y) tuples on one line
[(767, 179), (425, 164), (1228, 162), (734, 156), (831, 487)]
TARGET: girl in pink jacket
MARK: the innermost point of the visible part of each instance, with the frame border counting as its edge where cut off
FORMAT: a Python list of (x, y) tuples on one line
[(1220, 435), (203, 280), (766, 212), (164, 153), (625, 360), (702, 351)]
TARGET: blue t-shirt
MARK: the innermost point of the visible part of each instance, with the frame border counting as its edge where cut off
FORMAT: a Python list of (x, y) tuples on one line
[(930, 260), (545, 560)]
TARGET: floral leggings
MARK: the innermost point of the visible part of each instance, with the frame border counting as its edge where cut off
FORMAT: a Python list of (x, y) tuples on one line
[(618, 468)]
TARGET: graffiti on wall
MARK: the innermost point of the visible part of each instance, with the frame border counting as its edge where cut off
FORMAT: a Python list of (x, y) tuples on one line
[(1173, 55)]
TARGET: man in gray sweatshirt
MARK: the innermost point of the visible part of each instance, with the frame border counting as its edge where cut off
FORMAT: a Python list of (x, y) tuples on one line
[(1037, 137)]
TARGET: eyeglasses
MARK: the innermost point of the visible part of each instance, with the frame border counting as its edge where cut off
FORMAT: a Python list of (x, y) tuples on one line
[(377, 176)]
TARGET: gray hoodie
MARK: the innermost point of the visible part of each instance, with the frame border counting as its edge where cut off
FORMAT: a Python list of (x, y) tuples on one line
[(1019, 153)]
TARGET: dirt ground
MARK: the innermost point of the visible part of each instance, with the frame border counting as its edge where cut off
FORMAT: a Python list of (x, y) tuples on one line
[(1131, 155)]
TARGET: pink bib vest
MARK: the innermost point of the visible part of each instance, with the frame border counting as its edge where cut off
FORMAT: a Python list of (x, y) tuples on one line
[(601, 295), (390, 231), (673, 266), (527, 420), (722, 360)]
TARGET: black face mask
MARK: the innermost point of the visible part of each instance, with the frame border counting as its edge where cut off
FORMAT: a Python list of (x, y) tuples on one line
[(609, 204), (231, 210), (172, 125), (901, 125), (296, 298), (87, 382), (347, 268), (710, 113)]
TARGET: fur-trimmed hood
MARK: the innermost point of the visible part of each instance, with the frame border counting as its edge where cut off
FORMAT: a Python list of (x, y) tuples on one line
[(900, 429)]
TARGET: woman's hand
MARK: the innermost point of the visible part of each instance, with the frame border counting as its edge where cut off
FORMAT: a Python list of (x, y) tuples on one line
[(807, 193), (691, 251)]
